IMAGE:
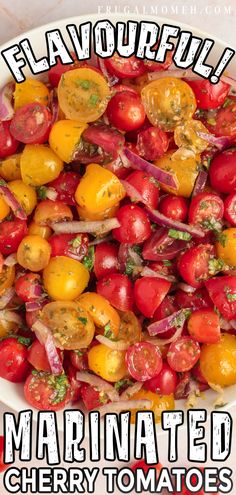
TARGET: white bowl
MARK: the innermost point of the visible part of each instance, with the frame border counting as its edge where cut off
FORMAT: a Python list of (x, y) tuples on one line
[(12, 394)]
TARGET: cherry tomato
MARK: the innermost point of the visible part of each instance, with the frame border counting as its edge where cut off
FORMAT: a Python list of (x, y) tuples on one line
[(125, 111), (134, 225), (47, 392), (183, 354), (65, 278), (102, 313), (222, 171), (149, 292), (41, 230), (31, 124), (225, 122), (209, 96), (117, 289), (3, 466), (194, 264), (79, 359), (218, 361), (175, 207), (39, 165), (4, 208), (163, 383), (196, 300), (91, 398), (184, 170), (230, 209), (204, 326), (152, 143), (226, 247), (154, 66), (33, 253), (186, 136), (110, 140), (65, 137), (14, 366), (10, 167), (166, 308), (48, 212), (8, 144), (205, 209), (72, 245), (37, 357), (146, 186), (130, 328), (143, 361), (30, 91), (65, 185), (123, 87), (7, 276), (222, 291), (125, 67), (107, 363), (28, 287), (159, 403), (106, 259), (25, 194)]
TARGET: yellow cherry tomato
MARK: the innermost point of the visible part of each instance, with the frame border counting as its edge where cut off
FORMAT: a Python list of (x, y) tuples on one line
[(30, 91), (83, 94), (10, 167), (48, 212), (84, 214), (186, 135), (7, 277), (39, 165), (65, 278), (4, 208), (168, 102), (130, 328), (184, 169), (159, 403), (41, 230), (107, 363), (64, 138), (218, 361), (102, 313), (226, 249), (25, 194), (99, 189), (33, 253), (7, 328), (71, 325)]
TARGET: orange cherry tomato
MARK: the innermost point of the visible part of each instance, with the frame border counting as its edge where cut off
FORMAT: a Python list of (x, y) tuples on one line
[(218, 361), (33, 253), (65, 138), (7, 277), (184, 169), (39, 165), (159, 403), (25, 194), (30, 91), (226, 249), (4, 208), (41, 230), (107, 363), (102, 313), (10, 167), (49, 212), (65, 278)]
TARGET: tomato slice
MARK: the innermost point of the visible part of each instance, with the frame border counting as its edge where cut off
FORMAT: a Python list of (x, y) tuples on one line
[(37, 357), (183, 354), (194, 264), (149, 292), (195, 300), (146, 186), (91, 398), (204, 326), (125, 67), (31, 124), (206, 209), (222, 291), (47, 392), (143, 361), (8, 144), (3, 466)]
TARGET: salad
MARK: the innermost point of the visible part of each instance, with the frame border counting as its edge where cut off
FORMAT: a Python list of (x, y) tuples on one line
[(118, 236)]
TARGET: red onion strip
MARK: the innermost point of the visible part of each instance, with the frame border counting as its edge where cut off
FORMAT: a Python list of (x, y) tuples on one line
[(53, 356), (148, 272), (116, 345), (219, 142), (161, 175), (75, 227), (33, 306), (133, 389), (10, 260), (176, 319), (6, 297), (164, 221), (6, 99), (8, 315), (12, 201), (200, 182), (98, 383)]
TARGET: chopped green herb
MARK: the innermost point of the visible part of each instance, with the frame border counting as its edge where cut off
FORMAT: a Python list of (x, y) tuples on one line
[(154, 181), (79, 353), (85, 84), (167, 263), (215, 265), (178, 234), (76, 242), (93, 99), (107, 331), (211, 224), (122, 383), (129, 267), (227, 102), (221, 238), (231, 297), (24, 340), (42, 192), (88, 260), (83, 320)]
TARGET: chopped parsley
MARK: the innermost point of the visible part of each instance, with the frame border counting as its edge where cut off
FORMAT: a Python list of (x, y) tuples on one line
[(221, 238), (122, 383), (107, 331), (42, 192), (84, 84), (231, 297), (88, 260), (129, 267), (211, 224), (83, 320), (167, 263), (76, 242), (93, 100), (215, 265), (178, 234)]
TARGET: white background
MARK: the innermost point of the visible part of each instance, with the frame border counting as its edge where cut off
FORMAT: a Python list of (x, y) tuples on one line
[(215, 17)]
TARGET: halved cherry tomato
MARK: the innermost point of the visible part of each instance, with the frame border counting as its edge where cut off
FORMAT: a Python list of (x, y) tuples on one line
[(31, 124), (41, 230), (183, 354), (204, 326), (218, 361), (25, 194), (91, 398), (184, 170), (10, 167), (72, 245), (130, 329), (149, 292), (107, 363), (104, 316), (55, 72), (154, 66), (186, 135), (146, 186), (37, 357), (105, 260), (33, 253), (30, 91), (125, 67), (126, 111), (4, 208), (145, 467), (47, 392), (194, 264), (14, 366), (134, 227), (39, 165), (230, 209), (163, 383), (79, 359), (75, 385), (195, 300), (222, 291), (208, 95), (117, 288), (161, 247), (152, 143), (28, 286), (143, 361), (65, 185), (47, 212), (206, 209), (65, 138), (175, 207), (226, 247), (225, 122), (110, 140), (8, 144), (65, 278), (222, 171)]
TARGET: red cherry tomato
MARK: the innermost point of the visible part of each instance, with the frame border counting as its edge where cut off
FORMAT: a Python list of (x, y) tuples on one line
[(175, 207), (230, 209), (209, 95), (11, 235), (123, 87), (3, 466), (37, 357), (79, 359), (8, 144), (164, 383), (125, 111), (222, 171), (47, 392), (71, 245), (149, 292), (205, 209), (146, 186), (153, 66), (28, 286), (182, 388), (14, 366), (220, 290), (134, 225), (106, 259), (143, 361), (152, 143), (195, 300), (204, 326), (183, 354), (166, 308), (91, 398), (225, 122), (31, 124), (194, 264), (65, 185), (118, 290), (196, 372), (125, 67)]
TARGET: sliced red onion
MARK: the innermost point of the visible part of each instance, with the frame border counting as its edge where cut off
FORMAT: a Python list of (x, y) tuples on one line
[(177, 73), (6, 297), (97, 241), (127, 253), (161, 175), (164, 221), (10, 260), (41, 331), (112, 80), (224, 324), (53, 356), (219, 142), (176, 319), (148, 272), (200, 182), (126, 163), (183, 387), (132, 192), (130, 391), (74, 227), (162, 247), (98, 383), (8, 315), (33, 306), (186, 288), (116, 345), (161, 342), (6, 100), (11, 200), (125, 405)]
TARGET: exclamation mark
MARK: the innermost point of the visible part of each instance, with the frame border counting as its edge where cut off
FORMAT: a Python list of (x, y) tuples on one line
[(224, 61)]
